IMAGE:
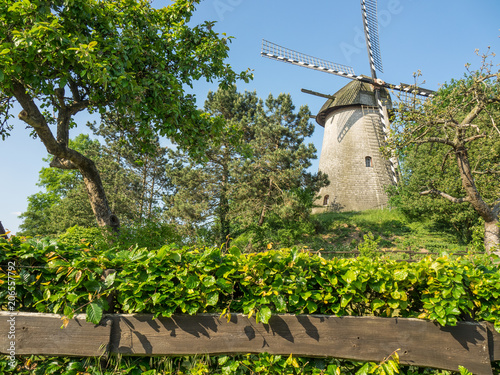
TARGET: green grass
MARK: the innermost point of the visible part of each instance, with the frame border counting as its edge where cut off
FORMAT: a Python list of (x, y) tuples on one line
[(343, 231)]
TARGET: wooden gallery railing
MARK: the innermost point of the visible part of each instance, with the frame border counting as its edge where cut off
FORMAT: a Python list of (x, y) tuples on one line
[(473, 345)]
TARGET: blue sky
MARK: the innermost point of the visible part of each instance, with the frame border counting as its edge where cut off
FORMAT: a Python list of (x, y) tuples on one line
[(436, 37)]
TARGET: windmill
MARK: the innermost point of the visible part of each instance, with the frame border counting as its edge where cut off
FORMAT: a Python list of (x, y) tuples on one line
[(356, 124)]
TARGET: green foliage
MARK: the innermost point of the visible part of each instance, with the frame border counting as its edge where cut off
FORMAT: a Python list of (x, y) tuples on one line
[(389, 366), (421, 167), (247, 364), (78, 236), (369, 246), (344, 231), (253, 187), (57, 279), (60, 58), (118, 53), (449, 152), (63, 203), (151, 234), (464, 371)]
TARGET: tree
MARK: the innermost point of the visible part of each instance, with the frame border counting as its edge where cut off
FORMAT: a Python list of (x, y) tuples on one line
[(143, 157), (63, 201), (272, 178), (460, 124), (240, 187), (204, 189), (60, 57), (422, 166)]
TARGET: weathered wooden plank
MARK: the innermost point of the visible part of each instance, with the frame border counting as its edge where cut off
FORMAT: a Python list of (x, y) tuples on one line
[(493, 342), (421, 343), (42, 334)]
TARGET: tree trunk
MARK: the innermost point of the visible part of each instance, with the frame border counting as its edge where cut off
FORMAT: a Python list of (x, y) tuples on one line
[(490, 216), (492, 237), (264, 208), (97, 196), (64, 157), (473, 195)]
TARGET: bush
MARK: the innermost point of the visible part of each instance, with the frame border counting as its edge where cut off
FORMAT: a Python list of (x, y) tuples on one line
[(150, 234), (369, 246), (57, 279), (78, 236)]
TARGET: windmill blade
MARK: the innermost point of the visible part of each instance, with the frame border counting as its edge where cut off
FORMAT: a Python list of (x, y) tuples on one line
[(279, 53), (370, 22), (315, 93), (411, 89)]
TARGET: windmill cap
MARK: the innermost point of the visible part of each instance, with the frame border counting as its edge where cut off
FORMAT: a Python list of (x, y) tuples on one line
[(355, 93)]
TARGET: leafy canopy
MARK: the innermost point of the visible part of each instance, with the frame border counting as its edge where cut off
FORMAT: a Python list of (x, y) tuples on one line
[(120, 54)]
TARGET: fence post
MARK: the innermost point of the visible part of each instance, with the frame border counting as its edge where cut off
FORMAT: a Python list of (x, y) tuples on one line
[(3, 233)]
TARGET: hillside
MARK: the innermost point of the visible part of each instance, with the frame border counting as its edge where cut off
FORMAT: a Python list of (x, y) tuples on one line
[(344, 231)]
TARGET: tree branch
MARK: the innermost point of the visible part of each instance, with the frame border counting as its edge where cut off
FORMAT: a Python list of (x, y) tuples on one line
[(496, 207), (74, 90), (65, 157), (444, 195), (489, 171), (471, 116), (31, 115), (62, 163), (474, 137), (76, 107), (435, 140)]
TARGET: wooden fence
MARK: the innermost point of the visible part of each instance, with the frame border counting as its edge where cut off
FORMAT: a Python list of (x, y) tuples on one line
[(413, 255), (473, 345)]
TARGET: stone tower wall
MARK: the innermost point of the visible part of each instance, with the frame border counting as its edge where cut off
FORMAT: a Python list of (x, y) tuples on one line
[(351, 135)]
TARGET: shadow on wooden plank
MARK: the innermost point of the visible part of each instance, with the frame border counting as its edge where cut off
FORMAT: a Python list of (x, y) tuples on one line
[(421, 343)]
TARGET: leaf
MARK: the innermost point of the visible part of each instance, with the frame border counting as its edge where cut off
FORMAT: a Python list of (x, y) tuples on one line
[(280, 303), (94, 313), (364, 370), (233, 250), (110, 279), (92, 285), (208, 281), (349, 276), (176, 257), (464, 371), (311, 307), (192, 282), (264, 314), (67, 311), (377, 303), (400, 275), (212, 299), (346, 298), (65, 322)]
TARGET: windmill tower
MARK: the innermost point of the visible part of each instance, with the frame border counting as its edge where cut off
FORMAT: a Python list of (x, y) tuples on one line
[(356, 125)]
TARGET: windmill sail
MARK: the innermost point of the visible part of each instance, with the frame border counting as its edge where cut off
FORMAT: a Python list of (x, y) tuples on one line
[(279, 53), (370, 21)]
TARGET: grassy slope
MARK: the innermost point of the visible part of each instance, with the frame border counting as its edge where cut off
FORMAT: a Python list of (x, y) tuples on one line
[(343, 231)]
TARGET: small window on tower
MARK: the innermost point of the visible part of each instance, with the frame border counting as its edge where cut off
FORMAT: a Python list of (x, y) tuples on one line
[(325, 200), (368, 162)]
